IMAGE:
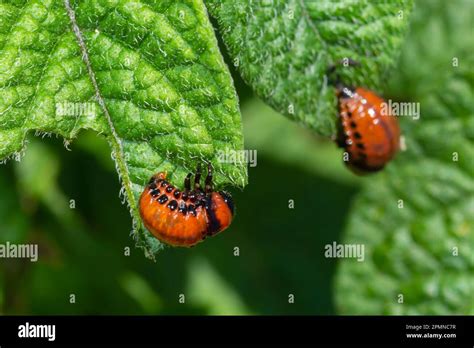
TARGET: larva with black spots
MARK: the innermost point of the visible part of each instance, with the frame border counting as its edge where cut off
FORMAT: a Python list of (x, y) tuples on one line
[(185, 218), (370, 136)]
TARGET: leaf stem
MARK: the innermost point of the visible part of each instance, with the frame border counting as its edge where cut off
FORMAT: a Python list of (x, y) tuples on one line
[(114, 139)]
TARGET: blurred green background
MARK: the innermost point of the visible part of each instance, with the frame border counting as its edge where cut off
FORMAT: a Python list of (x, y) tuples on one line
[(82, 250)]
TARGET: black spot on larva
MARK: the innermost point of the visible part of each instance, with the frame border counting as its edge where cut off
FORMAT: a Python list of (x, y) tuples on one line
[(173, 205), (177, 194), (164, 183), (357, 135), (152, 180), (360, 146), (182, 208), (162, 199), (192, 209), (152, 186), (201, 201), (154, 192), (184, 196), (349, 114), (353, 124), (170, 188), (192, 196)]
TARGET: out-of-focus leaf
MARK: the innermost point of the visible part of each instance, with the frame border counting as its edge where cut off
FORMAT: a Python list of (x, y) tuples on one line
[(137, 288), (283, 49), (205, 283), (416, 220), (13, 225)]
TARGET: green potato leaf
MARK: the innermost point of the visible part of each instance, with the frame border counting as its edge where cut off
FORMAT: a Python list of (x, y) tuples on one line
[(147, 75), (283, 49)]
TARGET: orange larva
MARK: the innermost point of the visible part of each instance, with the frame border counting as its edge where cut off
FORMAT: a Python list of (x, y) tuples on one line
[(370, 136), (367, 129), (185, 218)]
